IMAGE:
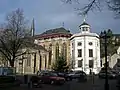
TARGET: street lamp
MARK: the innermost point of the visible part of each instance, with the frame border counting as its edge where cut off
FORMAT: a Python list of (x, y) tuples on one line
[(105, 35)]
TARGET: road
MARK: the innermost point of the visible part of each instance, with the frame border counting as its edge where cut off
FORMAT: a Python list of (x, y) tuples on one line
[(97, 84)]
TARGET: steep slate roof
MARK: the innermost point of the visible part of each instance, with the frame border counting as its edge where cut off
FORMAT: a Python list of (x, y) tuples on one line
[(60, 30)]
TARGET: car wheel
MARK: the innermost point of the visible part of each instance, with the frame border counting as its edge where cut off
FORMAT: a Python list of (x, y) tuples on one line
[(52, 82)]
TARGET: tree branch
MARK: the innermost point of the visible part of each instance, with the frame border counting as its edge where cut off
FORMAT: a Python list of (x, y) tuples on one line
[(21, 53)]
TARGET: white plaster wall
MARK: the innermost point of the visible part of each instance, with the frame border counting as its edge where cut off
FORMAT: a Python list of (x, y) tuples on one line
[(85, 52)]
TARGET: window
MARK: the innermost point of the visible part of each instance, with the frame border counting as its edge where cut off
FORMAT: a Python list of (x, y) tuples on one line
[(79, 63), (118, 60), (90, 52), (72, 45), (57, 51), (90, 43), (79, 52), (83, 28), (64, 51), (90, 63), (50, 54), (79, 43), (29, 60)]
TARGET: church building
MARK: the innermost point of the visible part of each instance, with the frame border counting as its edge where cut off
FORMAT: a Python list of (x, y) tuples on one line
[(85, 50), (57, 43)]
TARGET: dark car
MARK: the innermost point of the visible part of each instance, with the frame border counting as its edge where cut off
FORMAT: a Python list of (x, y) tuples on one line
[(51, 78), (34, 82), (111, 75), (77, 74), (64, 75), (9, 80), (81, 76)]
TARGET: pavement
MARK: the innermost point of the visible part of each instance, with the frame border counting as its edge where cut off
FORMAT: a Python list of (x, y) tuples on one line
[(91, 84)]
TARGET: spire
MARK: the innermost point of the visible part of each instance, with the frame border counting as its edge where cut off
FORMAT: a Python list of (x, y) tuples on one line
[(63, 24), (32, 28), (84, 18)]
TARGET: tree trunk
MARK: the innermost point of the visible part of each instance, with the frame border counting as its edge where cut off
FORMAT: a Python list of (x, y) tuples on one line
[(12, 63)]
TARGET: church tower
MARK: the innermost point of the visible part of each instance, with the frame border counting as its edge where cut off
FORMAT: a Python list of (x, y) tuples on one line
[(85, 50)]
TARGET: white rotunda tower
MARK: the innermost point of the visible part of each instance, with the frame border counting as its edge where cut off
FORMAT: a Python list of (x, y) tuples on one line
[(85, 50)]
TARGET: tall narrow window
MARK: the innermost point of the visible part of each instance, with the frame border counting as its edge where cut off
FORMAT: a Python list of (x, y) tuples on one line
[(79, 52), (72, 52), (29, 60), (64, 51), (90, 52), (79, 63), (57, 51), (34, 63), (118, 62), (50, 54), (72, 45)]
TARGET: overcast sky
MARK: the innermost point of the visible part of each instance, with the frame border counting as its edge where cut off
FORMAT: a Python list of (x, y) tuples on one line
[(50, 14)]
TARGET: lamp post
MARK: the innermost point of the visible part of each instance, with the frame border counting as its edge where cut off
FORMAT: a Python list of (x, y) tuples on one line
[(105, 35)]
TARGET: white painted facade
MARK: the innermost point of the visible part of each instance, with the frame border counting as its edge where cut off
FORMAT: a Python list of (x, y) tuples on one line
[(113, 60), (82, 44)]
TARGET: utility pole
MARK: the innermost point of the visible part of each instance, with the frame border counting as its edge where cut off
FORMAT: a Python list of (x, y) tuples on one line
[(105, 35), (106, 63)]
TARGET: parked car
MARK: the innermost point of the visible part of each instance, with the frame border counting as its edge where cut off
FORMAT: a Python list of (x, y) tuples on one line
[(81, 77), (77, 74), (34, 82), (42, 71), (64, 75), (111, 75), (51, 78), (8, 81)]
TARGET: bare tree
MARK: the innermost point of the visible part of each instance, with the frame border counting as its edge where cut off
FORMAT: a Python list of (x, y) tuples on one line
[(92, 5), (14, 36)]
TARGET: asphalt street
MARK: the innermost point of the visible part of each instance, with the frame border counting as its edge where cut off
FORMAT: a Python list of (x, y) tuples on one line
[(96, 84)]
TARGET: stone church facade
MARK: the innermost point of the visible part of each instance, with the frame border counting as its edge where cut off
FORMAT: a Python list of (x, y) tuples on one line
[(57, 43)]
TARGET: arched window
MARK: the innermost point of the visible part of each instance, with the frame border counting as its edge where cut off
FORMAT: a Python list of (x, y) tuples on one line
[(29, 60), (64, 51), (57, 51), (50, 54)]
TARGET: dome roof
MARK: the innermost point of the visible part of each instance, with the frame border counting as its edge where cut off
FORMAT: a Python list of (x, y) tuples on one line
[(84, 23)]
